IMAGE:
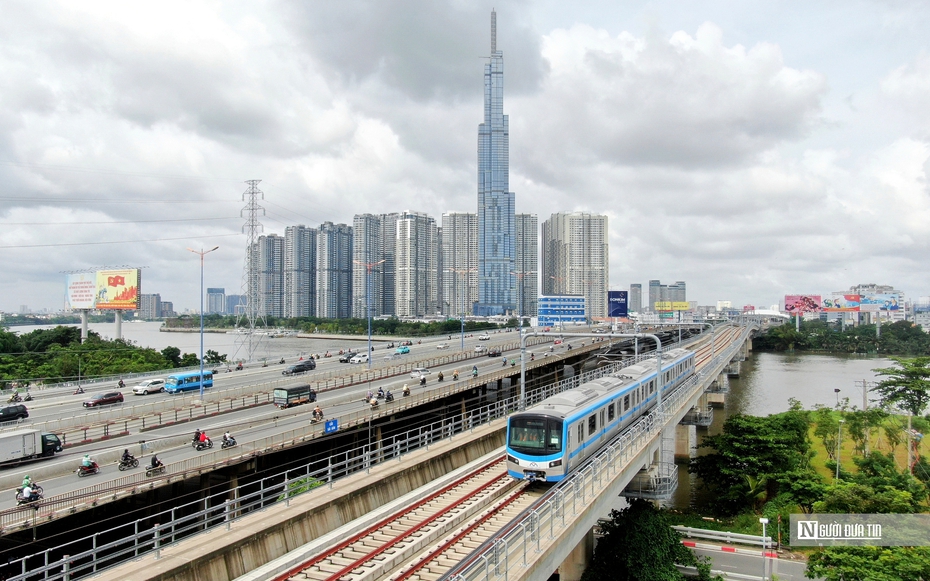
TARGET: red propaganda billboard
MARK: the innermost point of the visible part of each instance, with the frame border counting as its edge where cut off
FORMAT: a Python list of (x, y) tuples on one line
[(749, 308), (118, 289), (802, 303), (842, 304)]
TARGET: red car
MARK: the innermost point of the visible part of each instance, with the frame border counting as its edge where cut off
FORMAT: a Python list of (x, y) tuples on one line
[(104, 399)]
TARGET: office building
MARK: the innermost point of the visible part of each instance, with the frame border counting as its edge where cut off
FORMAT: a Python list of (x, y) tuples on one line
[(575, 259), (334, 271), (367, 265), (655, 294), (526, 264), (416, 265), (459, 263), (300, 271), (496, 206), (676, 292), (636, 298), (557, 311), (150, 306), (167, 310), (235, 304), (216, 301)]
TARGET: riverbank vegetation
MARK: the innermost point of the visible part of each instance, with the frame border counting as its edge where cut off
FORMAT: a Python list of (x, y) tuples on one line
[(900, 338), (56, 355), (830, 460), (390, 327)]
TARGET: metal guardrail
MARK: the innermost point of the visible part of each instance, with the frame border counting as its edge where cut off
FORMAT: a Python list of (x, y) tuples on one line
[(138, 537), (725, 536), (523, 536)]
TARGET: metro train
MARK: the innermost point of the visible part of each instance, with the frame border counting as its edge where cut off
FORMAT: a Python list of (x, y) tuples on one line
[(549, 440)]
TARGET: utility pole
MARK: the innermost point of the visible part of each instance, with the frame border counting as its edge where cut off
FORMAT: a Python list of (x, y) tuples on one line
[(253, 311)]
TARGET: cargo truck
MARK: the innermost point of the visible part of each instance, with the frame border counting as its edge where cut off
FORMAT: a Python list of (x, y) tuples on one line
[(291, 396), (21, 445)]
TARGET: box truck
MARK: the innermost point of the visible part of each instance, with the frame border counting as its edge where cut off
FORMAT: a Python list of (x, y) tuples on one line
[(20, 445)]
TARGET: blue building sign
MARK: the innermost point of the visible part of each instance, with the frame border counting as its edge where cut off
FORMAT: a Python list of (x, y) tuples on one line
[(331, 426), (617, 303), (561, 310)]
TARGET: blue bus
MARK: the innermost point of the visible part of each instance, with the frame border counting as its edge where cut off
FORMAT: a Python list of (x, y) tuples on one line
[(188, 381)]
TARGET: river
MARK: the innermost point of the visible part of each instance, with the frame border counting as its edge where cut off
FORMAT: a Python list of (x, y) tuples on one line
[(768, 381)]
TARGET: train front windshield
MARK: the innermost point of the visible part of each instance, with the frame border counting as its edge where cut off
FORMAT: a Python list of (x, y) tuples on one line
[(535, 436)]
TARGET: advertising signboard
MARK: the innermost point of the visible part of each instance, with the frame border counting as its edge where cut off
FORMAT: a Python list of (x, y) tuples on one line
[(881, 302), (802, 303), (617, 303), (118, 289), (842, 303), (80, 289), (672, 306)]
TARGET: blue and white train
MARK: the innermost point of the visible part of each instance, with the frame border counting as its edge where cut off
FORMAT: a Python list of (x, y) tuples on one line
[(550, 439)]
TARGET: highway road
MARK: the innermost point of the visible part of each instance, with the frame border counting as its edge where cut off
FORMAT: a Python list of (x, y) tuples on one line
[(172, 442)]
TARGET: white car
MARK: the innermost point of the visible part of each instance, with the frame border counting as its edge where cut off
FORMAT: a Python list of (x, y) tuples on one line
[(480, 349), (484, 337), (420, 372), (442, 346), (149, 386), (360, 358)]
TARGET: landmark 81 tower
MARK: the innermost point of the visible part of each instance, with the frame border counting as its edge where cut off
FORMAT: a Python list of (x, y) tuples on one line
[(496, 222)]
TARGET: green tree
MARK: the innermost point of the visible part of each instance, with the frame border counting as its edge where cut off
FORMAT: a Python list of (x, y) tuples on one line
[(870, 564), (172, 355), (213, 358), (189, 360), (852, 497), (907, 385), (639, 543)]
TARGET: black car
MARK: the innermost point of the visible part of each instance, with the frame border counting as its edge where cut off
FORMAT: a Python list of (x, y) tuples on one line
[(346, 356), (494, 352), (104, 399), (13, 412), (300, 367)]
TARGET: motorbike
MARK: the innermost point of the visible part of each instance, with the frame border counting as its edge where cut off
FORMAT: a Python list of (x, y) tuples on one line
[(15, 398), (373, 402), (406, 391), (120, 384), (78, 391), (229, 442), (389, 397), (36, 495), (440, 377), (28, 397), (128, 464), (239, 367), (155, 470), (88, 470), (455, 376), (474, 373), (199, 446), (380, 394), (316, 416)]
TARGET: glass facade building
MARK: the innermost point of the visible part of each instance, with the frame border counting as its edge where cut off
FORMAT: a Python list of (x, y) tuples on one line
[(496, 205)]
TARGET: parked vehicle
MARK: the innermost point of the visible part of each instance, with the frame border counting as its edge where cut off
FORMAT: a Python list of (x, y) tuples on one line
[(300, 367), (191, 381), (149, 386), (13, 412), (110, 397), (285, 397), (21, 445)]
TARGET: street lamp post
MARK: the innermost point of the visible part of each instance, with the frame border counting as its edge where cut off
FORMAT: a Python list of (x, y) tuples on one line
[(836, 390), (764, 522), (368, 266), (201, 253), (839, 446)]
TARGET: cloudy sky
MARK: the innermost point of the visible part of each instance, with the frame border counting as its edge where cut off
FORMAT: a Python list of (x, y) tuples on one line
[(750, 149)]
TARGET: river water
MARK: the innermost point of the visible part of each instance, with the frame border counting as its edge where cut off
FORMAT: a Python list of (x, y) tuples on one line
[(147, 334), (768, 380)]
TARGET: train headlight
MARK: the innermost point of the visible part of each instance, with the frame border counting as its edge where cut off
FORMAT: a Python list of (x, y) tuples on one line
[(555, 463), (512, 459)]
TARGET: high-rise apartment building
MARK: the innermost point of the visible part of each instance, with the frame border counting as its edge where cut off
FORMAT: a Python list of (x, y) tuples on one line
[(459, 263), (150, 306), (235, 304), (635, 298), (575, 258), (300, 271), (268, 256), (526, 264), (389, 267), (367, 265), (496, 205), (677, 292), (416, 265), (334, 271), (655, 294), (216, 300)]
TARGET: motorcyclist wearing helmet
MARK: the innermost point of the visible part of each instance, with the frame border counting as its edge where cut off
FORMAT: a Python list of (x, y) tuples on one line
[(126, 457), (27, 481), (86, 462), (155, 461)]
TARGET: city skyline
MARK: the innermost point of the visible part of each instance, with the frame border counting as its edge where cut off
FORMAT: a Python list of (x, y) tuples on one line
[(729, 146)]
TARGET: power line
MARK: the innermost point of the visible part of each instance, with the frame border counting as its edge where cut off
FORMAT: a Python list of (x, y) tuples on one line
[(107, 200), (122, 242), (83, 222), (110, 171)]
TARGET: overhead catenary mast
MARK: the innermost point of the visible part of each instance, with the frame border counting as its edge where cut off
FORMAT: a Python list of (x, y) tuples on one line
[(252, 313)]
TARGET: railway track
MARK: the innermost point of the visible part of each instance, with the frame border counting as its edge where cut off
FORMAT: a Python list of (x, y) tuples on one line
[(484, 496)]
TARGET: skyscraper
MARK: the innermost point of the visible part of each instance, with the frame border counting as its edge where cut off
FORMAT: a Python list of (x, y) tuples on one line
[(636, 298), (299, 271), (417, 264), (575, 258), (655, 294), (527, 263), (367, 249), (268, 257), (334, 271), (216, 300), (496, 206), (459, 263)]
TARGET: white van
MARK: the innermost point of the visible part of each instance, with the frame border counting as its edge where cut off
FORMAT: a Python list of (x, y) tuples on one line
[(149, 386)]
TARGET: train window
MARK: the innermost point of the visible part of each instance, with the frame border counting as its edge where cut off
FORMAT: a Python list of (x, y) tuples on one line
[(652, 387), (626, 402), (592, 424), (535, 436), (610, 412)]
